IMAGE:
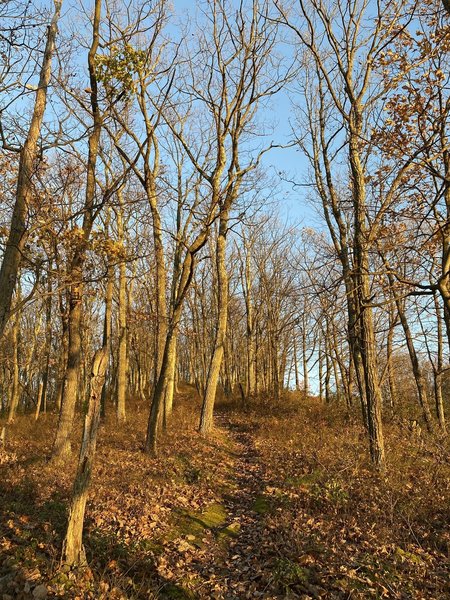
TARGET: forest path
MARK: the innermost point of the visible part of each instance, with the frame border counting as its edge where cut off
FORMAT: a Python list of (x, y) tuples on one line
[(232, 560)]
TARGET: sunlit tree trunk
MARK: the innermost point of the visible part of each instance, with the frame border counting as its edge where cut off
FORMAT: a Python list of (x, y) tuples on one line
[(122, 359), (206, 421), (62, 441), (15, 386), (107, 319), (73, 553), (29, 153)]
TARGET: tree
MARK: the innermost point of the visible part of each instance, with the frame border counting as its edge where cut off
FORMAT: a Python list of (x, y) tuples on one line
[(341, 98), (29, 153)]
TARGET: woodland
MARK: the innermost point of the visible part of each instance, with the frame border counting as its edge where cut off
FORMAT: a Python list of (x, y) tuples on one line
[(199, 396)]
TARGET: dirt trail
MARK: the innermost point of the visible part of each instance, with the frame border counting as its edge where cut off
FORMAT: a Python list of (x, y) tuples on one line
[(233, 563)]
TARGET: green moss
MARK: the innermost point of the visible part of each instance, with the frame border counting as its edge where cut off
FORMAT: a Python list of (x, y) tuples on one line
[(288, 573), (194, 525), (406, 556), (231, 530), (307, 480), (261, 505), (170, 590)]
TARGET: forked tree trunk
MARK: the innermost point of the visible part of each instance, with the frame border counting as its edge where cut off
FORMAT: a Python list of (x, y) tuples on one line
[(157, 407), (73, 554)]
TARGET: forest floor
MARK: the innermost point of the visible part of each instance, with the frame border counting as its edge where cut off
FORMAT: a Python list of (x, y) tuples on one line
[(279, 503)]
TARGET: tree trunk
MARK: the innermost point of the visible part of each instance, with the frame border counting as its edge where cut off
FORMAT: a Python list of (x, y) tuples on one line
[(18, 232), (206, 420), (438, 371), (73, 552), (389, 360), (15, 387), (62, 441), (367, 341), (39, 400), (170, 383), (417, 370), (107, 325)]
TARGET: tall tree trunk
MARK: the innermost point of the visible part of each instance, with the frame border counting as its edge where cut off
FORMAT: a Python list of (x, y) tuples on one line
[(206, 420), (15, 387), (122, 361), (419, 377), (107, 318), (62, 441), (157, 407), (250, 333), (389, 360), (48, 343), (438, 372), (320, 361), (367, 339), (305, 362), (18, 232), (170, 385)]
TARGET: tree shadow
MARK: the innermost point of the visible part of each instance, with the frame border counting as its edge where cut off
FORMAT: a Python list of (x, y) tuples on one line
[(31, 537)]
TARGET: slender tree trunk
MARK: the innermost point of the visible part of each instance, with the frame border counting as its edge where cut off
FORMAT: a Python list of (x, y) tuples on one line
[(18, 232), (320, 360), (297, 377), (48, 343), (107, 318), (440, 412), (417, 370), (122, 363), (305, 363), (73, 552), (367, 341), (206, 420), (390, 365), (15, 387), (251, 359), (157, 407), (62, 441), (170, 386), (39, 400)]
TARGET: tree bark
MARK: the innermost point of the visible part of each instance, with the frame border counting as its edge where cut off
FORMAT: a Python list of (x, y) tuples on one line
[(73, 554), (61, 446), (206, 420), (122, 361), (29, 153), (15, 387)]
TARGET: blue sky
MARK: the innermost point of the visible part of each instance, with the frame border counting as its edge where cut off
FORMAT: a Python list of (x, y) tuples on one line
[(288, 164)]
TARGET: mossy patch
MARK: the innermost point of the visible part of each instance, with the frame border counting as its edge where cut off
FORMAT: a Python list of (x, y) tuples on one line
[(194, 525), (232, 530), (261, 505), (170, 590), (288, 573), (306, 480)]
